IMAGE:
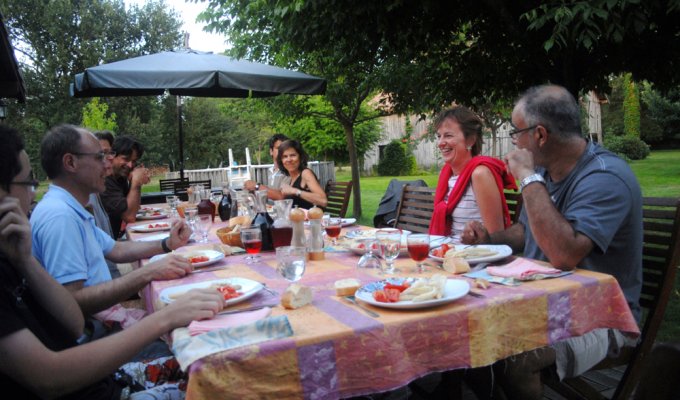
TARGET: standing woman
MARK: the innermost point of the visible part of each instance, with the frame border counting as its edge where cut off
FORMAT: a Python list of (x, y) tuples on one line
[(304, 189), (470, 186)]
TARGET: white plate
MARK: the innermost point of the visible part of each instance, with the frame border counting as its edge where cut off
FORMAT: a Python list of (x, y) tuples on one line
[(213, 257), (348, 221), (148, 216), (145, 228), (501, 250), (249, 288), (151, 238), (359, 250), (454, 289), (370, 234)]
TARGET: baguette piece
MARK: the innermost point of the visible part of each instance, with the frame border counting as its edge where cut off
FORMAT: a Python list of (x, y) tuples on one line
[(346, 287), (454, 264), (296, 296), (240, 220)]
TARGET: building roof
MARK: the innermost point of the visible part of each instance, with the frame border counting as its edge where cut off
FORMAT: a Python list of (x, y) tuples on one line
[(11, 82)]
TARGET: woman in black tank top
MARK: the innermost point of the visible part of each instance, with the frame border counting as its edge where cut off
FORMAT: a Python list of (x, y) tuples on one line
[(304, 189)]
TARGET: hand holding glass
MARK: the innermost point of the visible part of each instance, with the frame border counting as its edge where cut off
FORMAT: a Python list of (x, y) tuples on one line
[(203, 224), (252, 242), (390, 245), (418, 249), (291, 262)]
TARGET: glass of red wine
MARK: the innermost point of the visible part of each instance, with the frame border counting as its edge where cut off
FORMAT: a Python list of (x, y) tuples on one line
[(418, 249), (252, 243), (333, 226)]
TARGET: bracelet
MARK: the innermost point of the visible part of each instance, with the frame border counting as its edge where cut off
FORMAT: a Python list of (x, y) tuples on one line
[(164, 245), (298, 193)]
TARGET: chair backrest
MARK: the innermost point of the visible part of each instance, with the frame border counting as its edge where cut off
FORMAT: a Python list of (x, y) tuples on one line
[(338, 194), (168, 185), (415, 209), (180, 188), (660, 261), (514, 201)]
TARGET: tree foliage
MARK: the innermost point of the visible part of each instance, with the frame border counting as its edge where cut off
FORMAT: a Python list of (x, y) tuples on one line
[(95, 118), (664, 111), (631, 108)]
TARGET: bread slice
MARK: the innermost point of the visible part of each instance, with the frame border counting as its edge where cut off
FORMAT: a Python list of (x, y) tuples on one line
[(455, 265), (296, 296), (346, 287)]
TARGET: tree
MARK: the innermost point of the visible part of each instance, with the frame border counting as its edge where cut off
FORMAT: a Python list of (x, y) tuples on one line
[(631, 108), (95, 119)]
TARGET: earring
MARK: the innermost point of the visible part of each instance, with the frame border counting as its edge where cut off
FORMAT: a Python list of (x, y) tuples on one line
[(469, 148)]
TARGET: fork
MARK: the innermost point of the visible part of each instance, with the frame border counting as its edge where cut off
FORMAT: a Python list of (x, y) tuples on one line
[(354, 301)]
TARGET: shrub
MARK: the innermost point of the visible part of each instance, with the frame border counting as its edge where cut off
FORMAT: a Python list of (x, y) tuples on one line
[(394, 161), (627, 146)]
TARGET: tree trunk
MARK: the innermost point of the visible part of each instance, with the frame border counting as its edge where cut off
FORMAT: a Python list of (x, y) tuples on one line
[(354, 162)]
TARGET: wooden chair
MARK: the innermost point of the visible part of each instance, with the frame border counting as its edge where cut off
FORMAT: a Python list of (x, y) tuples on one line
[(415, 209), (180, 188), (660, 259), (514, 200), (168, 185), (338, 194)]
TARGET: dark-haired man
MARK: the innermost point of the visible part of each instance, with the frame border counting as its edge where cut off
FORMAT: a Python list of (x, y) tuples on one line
[(123, 195)]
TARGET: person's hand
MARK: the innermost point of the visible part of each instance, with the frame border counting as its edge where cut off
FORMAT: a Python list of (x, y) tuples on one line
[(179, 234), (474, 233), (249, 185), (520, 163), (172, 266), (139, 176), (288, 190), (195, 305), (15, 231)]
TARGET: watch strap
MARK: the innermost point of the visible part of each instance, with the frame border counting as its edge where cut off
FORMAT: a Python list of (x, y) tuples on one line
[(531, 179)]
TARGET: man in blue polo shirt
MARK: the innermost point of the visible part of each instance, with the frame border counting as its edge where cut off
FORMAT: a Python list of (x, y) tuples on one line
[(66, 240)]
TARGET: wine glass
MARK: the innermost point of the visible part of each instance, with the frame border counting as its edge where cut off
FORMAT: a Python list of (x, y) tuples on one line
[(191, 214), (173, 202), (203, 224), (291, 262), (333, 227), (418, 249), (252, 242), (370, 260), (390, 245)]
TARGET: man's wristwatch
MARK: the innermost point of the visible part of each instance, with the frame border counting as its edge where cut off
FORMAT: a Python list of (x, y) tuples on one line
[(298, 193), (531, 179)]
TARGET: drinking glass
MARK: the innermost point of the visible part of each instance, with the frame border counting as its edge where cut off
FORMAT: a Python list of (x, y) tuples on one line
[(291, 262), (390, 245), (418, 249), (215, 198), (370, 260), (203, 223), (252, 242), (333, 227), (190, 213), (173, 202)]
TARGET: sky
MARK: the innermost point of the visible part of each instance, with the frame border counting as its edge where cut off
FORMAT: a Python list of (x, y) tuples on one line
[(198, 40)]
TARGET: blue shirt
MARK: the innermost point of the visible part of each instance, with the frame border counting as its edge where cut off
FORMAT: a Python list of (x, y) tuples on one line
[(66, 240)]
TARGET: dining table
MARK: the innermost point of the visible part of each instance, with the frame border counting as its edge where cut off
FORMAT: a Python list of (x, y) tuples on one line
[(337, 350)]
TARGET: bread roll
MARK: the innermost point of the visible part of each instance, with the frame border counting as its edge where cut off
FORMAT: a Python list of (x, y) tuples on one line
[(346, 287), (296, 296), (240, 220), (455, 265)]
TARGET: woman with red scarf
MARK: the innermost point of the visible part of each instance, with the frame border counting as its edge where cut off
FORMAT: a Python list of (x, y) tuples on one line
[(470, 186)]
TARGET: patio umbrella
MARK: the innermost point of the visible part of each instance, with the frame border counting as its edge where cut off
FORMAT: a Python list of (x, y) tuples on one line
[(189, 72), (11, 82)]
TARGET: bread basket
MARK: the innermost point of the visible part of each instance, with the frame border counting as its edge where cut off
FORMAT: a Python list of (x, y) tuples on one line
[(228, 237)]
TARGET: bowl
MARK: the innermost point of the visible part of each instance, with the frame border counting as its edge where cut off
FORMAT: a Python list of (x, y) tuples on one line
[(228, 237)]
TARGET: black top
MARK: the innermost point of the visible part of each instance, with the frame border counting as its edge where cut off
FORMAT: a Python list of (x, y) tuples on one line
[(20, 310), (114, 199), (299, 201)]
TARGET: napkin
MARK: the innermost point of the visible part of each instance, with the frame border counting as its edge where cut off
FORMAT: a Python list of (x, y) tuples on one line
[(188, 349), (524, 270), (124, 316), (227, 321)]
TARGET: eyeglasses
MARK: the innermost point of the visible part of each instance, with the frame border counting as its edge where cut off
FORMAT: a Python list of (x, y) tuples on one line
[(99, 156), (516, 132), (32, 184)]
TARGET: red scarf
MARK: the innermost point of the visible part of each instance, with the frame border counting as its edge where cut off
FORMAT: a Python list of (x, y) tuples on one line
[(441, 216)]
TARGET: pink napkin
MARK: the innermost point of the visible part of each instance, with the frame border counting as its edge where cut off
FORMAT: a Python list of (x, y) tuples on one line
[(124, 316), (227, 321), (523, 269)]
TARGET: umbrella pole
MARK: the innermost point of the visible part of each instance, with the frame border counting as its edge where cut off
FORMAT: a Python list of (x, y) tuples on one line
[(181, 137)]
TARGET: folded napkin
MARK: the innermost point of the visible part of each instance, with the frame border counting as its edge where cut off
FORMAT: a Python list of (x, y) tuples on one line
[(188, 349), (525, 270), (227, 321), (124, 316)]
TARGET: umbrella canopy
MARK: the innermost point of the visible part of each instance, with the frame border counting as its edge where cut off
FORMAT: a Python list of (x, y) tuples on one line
[(188, 72), (192, 73)]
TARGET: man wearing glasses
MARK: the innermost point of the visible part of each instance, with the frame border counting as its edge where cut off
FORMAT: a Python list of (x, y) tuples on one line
[(123, 195), (66, 240)]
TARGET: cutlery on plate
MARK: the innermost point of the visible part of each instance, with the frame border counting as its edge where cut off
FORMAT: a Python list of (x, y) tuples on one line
[(251, 308), (354, 301), (476, 294), (270, 291)]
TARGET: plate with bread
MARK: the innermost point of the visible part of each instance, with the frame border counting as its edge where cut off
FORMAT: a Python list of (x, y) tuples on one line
[(413, 293), (471, 254), (235, 290)]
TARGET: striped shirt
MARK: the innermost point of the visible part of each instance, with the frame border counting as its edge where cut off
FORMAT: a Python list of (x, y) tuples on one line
[(466, 210)]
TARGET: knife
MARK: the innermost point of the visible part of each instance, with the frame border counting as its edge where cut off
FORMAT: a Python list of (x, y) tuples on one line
[(251, 308)]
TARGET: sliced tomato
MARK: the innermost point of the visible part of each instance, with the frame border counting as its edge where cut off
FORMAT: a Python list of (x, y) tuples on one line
[(198, 259), (392, 295), (379, 295), (228, 292), (400, 288)]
